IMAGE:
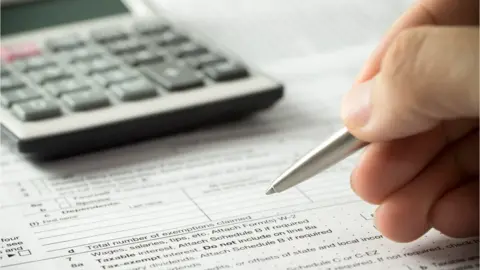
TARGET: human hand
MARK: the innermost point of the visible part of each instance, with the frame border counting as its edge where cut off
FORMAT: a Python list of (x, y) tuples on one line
[(417, 102)]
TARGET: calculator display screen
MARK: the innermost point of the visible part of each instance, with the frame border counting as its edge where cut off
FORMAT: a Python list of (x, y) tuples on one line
[(30, 15)]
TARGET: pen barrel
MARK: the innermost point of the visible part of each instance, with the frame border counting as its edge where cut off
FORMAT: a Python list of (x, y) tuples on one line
[(338, 147), (334, 150)]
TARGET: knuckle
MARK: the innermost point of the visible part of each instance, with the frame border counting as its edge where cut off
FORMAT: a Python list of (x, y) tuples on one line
[(402, 54), (403, 70)]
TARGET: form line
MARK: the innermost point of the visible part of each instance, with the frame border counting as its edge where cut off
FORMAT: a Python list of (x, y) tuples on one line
[(297, 211), (36, 187), (80, 238), (213, 200), (97, 221), (303, 193), (113, 225), (90, 216), (201, 210), (264, 204)]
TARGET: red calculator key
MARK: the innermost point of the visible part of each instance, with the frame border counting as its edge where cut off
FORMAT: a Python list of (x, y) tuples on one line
[(11, 53)]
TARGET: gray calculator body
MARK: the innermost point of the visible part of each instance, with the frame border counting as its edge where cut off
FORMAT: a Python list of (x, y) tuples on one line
[(100, 82)]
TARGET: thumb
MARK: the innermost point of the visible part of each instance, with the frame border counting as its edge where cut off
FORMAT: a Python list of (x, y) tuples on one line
[(428, 74)]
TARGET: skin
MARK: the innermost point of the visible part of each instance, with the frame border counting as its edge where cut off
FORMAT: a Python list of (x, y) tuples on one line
[(417, 101)]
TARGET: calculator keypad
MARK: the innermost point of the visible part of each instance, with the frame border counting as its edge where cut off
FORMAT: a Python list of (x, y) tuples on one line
[(108, 67)]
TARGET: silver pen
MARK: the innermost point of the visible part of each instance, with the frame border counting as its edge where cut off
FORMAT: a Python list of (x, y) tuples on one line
[(336, 148)]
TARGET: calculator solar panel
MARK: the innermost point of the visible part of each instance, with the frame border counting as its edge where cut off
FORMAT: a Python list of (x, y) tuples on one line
[(71, 92)]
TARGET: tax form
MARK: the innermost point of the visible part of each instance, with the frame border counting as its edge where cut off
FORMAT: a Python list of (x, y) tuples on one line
[(197, 201)]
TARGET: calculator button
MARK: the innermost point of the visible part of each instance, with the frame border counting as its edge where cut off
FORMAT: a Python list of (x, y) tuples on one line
[(150, 27), (14, 52), (84, 54), (134, 90), (226, 71), (129, 59), (96, 65), (36, 109), (85, 100), (108, 35), (65, 86), (204, 60), (188, 49), (32, 63), (173, 76), (114, 76), (143, 57), (48, 74), (4, 72), (12, 96), (10, 82), (64, 43), (125, 46), (170, 38)]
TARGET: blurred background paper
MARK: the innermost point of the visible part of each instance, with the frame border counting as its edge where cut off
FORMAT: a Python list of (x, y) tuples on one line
[(267, 31)]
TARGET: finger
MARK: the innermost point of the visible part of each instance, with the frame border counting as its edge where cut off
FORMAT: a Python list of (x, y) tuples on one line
[(425, 12), (456, 214), (428, 75), (404, 216), (388, 166)]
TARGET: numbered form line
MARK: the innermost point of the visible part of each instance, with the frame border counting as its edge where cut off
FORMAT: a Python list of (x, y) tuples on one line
[(201, 223)]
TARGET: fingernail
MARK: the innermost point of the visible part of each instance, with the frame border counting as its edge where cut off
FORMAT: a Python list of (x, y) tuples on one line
[(356, 106)]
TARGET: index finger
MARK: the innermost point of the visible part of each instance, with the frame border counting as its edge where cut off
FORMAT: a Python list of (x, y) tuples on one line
[(424, 12)]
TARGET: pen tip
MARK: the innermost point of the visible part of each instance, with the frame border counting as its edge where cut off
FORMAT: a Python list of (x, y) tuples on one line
[(270, 191)]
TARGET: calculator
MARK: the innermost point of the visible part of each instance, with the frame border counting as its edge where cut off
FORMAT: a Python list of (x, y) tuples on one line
[(84, 75)]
